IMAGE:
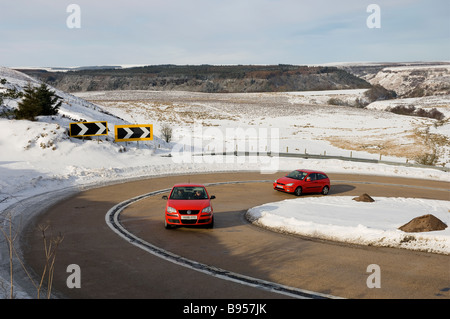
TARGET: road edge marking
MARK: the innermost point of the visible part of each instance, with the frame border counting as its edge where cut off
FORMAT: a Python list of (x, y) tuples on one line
[(112, 220)]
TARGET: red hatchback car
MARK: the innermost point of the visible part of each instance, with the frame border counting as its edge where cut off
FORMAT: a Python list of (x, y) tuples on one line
[(188, 204), (303, 181)]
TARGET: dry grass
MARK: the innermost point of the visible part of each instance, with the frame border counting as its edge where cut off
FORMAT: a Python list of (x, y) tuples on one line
[(163, 111), (386, 146), (413, 144)]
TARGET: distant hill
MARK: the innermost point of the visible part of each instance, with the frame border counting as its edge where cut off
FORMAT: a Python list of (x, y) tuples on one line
[(408, 80), (203, 78)]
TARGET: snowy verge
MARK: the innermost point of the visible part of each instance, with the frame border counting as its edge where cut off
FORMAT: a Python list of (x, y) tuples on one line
[(339, 218)]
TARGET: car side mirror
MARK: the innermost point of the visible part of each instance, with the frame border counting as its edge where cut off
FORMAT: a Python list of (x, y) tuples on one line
[(212, 197), (308, 179), (164, 197)]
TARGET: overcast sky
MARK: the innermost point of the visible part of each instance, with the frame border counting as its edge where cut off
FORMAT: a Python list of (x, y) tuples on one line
[(117, 32)]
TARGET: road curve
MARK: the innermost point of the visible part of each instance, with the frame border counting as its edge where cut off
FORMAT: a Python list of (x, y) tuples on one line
[(113, 268)]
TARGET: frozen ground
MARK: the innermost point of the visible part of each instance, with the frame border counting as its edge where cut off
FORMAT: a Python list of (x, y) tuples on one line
[(39, 162), (306, 124)]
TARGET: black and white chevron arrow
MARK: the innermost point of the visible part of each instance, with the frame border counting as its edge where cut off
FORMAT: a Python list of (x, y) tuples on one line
[(136, 132), (88, 129)]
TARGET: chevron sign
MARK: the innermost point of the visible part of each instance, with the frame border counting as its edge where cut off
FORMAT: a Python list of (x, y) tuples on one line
[(136, 132), (81, 129)]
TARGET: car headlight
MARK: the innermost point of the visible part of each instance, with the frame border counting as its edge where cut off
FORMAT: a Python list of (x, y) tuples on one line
[(171, 210), (206, 210), (290, 184)]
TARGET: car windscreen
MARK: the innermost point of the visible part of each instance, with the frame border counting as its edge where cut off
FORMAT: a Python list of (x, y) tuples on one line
[(297, 175), (188, 192)]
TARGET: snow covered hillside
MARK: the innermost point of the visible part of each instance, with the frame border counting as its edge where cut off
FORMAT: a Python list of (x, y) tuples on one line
[(429, 80)]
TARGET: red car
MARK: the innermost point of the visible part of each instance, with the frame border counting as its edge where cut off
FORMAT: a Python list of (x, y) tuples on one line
[(188, 204), (303, 181)]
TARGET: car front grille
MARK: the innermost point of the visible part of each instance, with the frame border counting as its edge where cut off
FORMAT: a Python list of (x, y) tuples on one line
[(185, 212)]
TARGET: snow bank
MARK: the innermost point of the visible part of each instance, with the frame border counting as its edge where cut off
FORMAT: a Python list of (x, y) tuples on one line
[(339, 218)]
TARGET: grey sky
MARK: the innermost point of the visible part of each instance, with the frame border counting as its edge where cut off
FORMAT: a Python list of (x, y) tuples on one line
[(35, 33)]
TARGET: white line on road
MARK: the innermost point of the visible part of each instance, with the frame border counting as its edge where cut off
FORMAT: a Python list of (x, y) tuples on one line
[(112, 220)]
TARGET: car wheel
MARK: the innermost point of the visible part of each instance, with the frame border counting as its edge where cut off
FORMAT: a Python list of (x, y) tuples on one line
[(298, 191), (166, 225), (211, 224), (325, 190)]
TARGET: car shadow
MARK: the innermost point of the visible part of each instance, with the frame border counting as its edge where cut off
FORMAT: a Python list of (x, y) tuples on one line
[(340, 189), (335, 189)]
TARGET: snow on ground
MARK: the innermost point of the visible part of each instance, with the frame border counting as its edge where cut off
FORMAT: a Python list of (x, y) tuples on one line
[(323, 97), (305, 124), (339, 218), (40, 163)]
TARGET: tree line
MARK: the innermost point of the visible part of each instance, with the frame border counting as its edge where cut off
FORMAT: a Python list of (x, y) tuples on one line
[(203, 78)]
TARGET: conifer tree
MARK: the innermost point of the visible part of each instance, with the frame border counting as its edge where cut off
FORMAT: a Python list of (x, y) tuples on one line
[(37, 101)]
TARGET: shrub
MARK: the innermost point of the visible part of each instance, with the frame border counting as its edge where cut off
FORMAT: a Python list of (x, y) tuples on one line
[(166, 132), (412, 110), (336, 101), (428, 158), (403, 110), (377, 93), (37, 101), (9, 95)]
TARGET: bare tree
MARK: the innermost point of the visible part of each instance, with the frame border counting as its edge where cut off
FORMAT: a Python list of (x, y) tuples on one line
[(51, 244), (10, 237), (166, 132)]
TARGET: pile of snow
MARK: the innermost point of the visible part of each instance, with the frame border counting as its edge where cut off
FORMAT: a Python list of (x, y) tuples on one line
[(339, 218)]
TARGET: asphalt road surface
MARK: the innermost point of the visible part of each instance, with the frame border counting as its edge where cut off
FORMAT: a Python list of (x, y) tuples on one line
[(111, 267)]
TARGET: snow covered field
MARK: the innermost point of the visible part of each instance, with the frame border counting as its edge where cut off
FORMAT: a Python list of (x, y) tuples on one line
[(305, 122), (39, 158)]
